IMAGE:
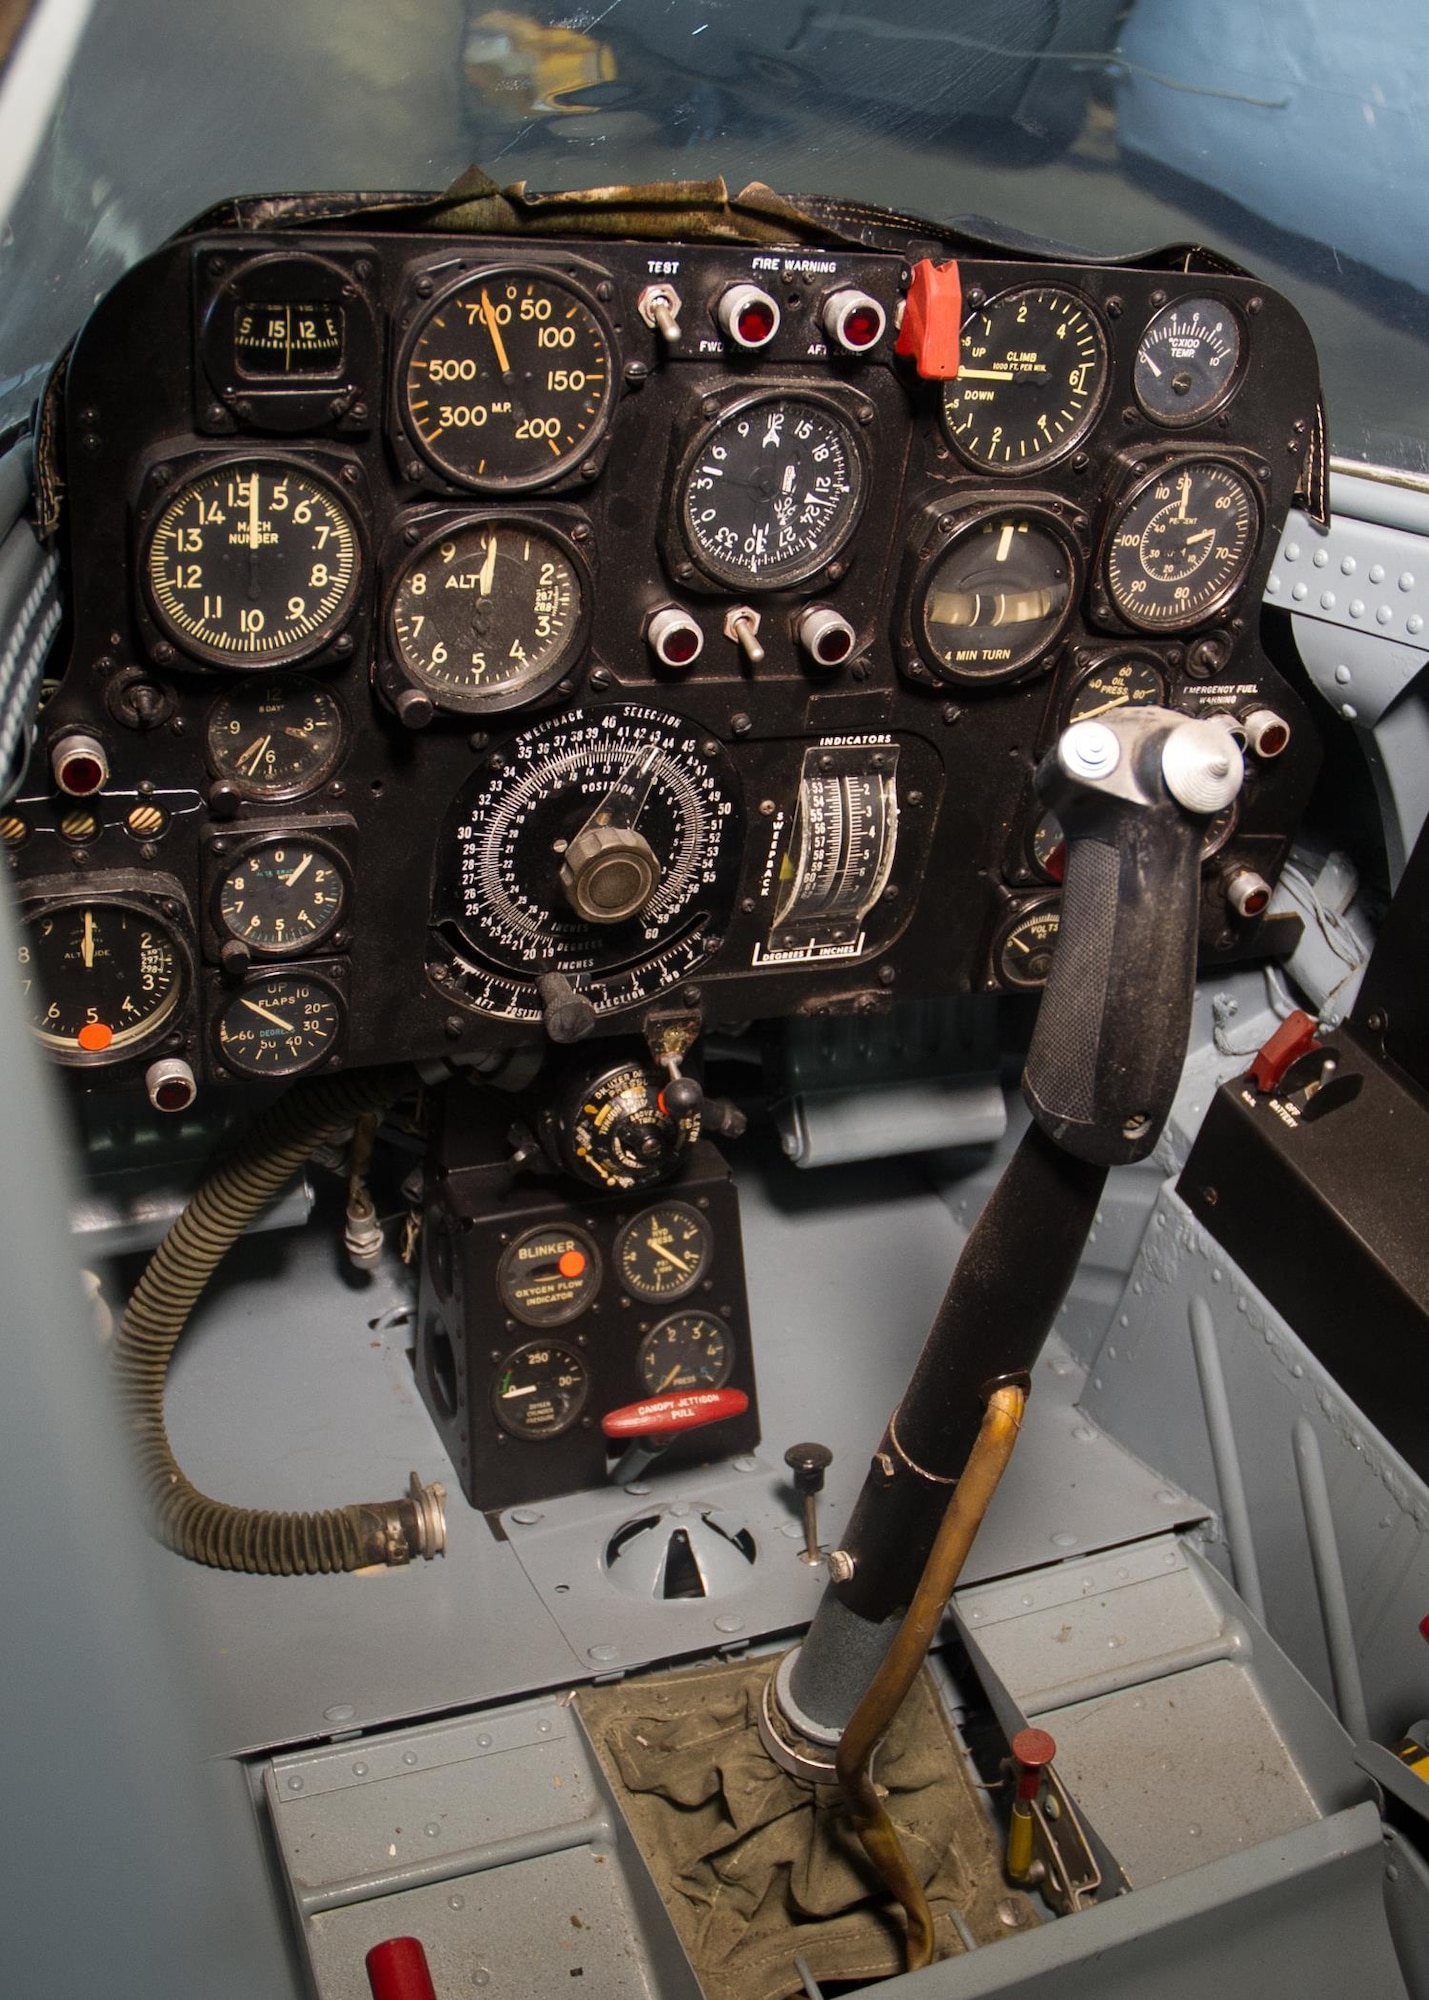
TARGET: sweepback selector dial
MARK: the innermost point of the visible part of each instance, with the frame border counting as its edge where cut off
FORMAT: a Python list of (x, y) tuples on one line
[(609, 873)]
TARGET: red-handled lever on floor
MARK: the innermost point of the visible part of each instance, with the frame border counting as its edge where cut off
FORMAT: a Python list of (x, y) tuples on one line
[(397, 1969), (1032, 1751), (646, 1429)]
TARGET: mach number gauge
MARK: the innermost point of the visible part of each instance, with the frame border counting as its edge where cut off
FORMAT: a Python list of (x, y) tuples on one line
[(1030, 379), (605, 848), (1180, 546), (507, 380), (252, 564)]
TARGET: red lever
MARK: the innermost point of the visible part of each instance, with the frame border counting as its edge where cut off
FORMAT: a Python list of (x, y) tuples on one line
[(1032, 1751), (397, 1969), (932, 326), (1294, 1036), (665, 1416)]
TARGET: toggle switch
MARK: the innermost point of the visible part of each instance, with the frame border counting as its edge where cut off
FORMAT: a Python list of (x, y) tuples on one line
[(659, 306), (741, 626)]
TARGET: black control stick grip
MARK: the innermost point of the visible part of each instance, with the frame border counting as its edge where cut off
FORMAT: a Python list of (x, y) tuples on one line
[(1134, 793)]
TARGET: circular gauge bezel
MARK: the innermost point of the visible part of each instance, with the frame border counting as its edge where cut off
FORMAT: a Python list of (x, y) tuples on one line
[(694, 1313), (231, 996), (154, 1030), (1203, 613), (518, 695), (586, 1286), (1008, 930), (573, 1415), (1031, 660), (1081, 426), (1227, 389), (683, 1286), (312, 644), (297, 685), (729, 576), (1123, 656), (279, 837), (568, 461)]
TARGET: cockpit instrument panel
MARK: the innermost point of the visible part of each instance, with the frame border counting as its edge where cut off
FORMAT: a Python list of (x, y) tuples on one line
[(452, 625)]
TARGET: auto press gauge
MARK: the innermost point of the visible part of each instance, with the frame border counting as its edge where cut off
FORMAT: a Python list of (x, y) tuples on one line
[(276, 740), (279, 1025), (689, 1350), (1180, 545), (505, 383), (663, 1252), (1031, 377), (281, 897), (101, 978), (996, 596), (1188, 361), (548, 1275), (252, 563), (490, 613), (771, 491)]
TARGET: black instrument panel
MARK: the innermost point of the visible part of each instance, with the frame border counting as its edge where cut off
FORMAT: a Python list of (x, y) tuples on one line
[(441, 624)]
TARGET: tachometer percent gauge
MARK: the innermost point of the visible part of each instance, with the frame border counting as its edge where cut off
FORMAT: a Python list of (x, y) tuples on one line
[(603, 847), (1181, 544)]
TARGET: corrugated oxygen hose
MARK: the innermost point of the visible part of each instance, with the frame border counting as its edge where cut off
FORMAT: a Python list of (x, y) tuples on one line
[(208, 1531)]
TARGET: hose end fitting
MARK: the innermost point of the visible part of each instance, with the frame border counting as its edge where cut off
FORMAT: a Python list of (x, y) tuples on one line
[(395, 1532)]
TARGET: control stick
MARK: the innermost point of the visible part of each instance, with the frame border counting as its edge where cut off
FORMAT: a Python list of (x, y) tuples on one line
[(1133, 792)]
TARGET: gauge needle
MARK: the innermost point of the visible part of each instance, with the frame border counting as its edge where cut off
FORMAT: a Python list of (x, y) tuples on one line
[(1204, 536), (508, 1394), (306, 862), (253, 755), (488, 568), (1185, 496), (1089, 714), (267, 1014), (673, 1376), (680, 1263), (86, 949), (488, 313), (986, 374)]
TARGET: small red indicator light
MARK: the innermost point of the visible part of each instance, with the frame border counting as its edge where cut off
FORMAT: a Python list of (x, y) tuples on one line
[(174, 1095), (833, 645), (755, 322), (682, 645), (81, 775), (862, 326), (572, 1264)]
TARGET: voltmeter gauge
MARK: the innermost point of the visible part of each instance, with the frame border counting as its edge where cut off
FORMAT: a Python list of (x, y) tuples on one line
[(279, 1026), (100, 979), (489, 614), (1129, 682), (1030, 380), (1181, 544), (276, 740), (253, 563), (1188, 362), (690, 1350), (540, 1390), (548, 1276), (281, 897), (664, 1252), (771, 491), (1023, 957), (506, 383), (998, 597)]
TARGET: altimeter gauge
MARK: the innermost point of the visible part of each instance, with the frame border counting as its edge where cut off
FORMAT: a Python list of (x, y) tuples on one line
[(100, 979), (253, 563), (489, 614)]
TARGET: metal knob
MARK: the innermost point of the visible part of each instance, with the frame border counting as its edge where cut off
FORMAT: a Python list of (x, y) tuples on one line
[(609, 873), (809, 1463)]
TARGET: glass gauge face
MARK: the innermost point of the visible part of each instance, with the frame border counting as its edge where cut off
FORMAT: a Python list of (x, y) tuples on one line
[(997, 597), (540, 1390), (663, 1253), (690, 1350), (279, 1026), (276, 740), (1181, 545), (488, 615), (98, 979), (772, 492), (1127, 683), (1188, 360), (1047, 846), (1030, 379), (252, 564), (282, 338), (548, 1276), (1024, 954), (281, 897), (507, 381)]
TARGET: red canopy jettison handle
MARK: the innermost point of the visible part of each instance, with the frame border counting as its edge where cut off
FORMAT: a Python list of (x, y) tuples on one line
[(666, 1416)]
